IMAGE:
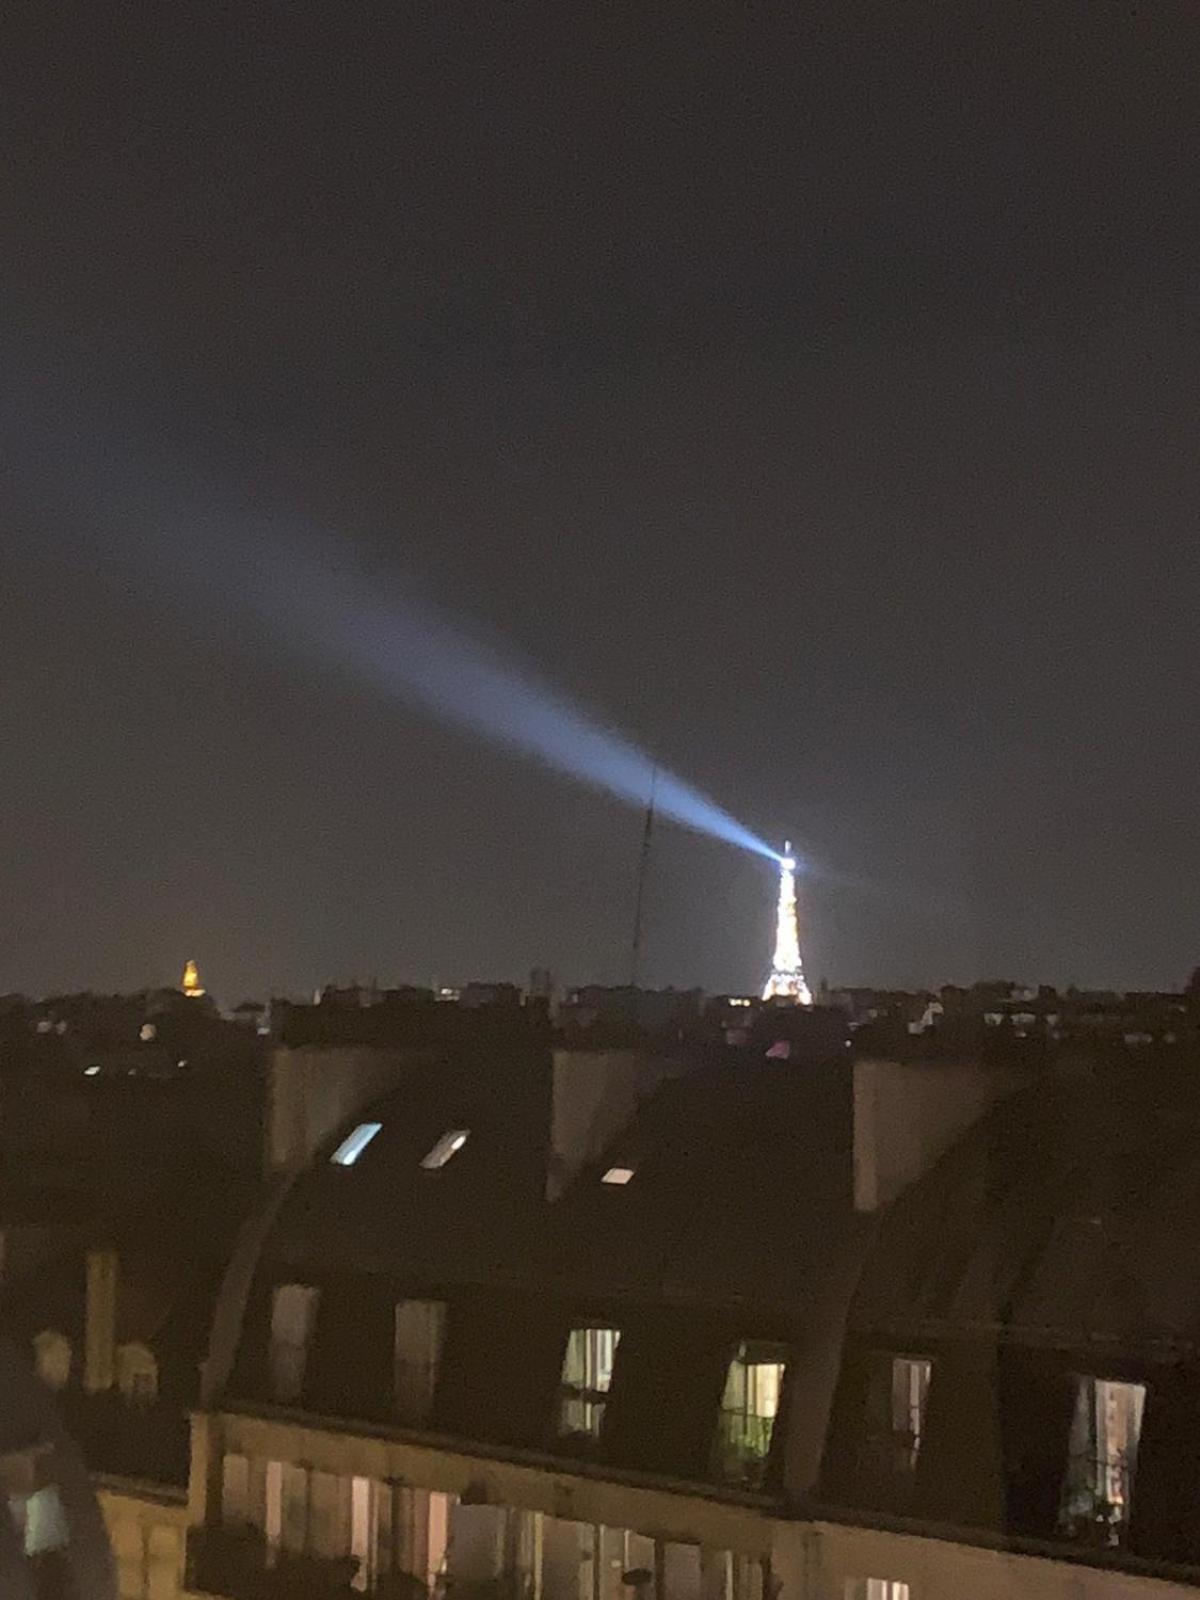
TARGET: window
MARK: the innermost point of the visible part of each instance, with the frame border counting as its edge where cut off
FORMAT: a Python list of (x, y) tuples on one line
[(748, 1410), (897, 1402), (876, 1589), (40, 1520), (364, 1530), (293, 1313), (420, 1332), (52, 1355), (235, 1492), (285, 1512), (448, 1145), (732, 1575), (1105, 1427), (586, 1378), (273, 1506), (353, 1145), (617, 1175), (418, 1535), (137, 1374)]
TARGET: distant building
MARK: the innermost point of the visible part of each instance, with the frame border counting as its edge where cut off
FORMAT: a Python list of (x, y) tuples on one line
[(521, 1314), (649, 1011), (190, 984)]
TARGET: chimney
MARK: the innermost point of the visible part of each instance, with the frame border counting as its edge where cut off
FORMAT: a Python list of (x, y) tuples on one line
[(594, 1094), (908, 1113), (100, 1320)]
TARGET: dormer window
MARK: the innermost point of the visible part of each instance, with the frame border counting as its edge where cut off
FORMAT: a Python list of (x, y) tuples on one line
[(420, 1333), (137, 1374), (586, 1378), (749, 1407), (1106, 1426), (895, 1424), (52, 1356), (293, 1317)]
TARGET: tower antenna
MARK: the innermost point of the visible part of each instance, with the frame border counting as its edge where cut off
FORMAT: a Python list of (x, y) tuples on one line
[(643, 863)]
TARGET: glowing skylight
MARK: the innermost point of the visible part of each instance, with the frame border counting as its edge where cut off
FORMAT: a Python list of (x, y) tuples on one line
[(617, 1175), (448, 1145), (351, 1147)]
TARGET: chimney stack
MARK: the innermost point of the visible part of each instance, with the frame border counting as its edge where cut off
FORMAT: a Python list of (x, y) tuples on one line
[(100, 1320)]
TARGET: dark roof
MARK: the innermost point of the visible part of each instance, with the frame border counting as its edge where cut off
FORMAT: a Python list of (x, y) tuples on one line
[(1071, 1212), (477, 1220), (742, 1189)]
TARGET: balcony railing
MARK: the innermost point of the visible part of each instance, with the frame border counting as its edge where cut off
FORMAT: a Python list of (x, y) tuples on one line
[(743, 1447), (235, 1564), (1095, 1506)]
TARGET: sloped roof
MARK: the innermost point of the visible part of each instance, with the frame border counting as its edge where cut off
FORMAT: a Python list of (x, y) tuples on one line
[(742, 1189), (1071, 1212)]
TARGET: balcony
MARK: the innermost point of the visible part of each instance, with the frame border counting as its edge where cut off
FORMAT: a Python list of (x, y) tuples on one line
[(743, 1448), (236, 1564)]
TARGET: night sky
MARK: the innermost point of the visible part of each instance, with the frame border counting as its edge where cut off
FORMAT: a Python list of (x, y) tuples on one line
[(808, 391)]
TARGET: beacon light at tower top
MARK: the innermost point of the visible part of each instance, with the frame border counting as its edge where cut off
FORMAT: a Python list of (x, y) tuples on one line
[(787, 982)]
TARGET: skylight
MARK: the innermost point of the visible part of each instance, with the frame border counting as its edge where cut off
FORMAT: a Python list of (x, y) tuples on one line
[(351, 1147), (617, 1175), (448, 1145)]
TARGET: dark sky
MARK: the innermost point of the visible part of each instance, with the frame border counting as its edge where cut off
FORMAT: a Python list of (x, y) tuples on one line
[(808, 390)]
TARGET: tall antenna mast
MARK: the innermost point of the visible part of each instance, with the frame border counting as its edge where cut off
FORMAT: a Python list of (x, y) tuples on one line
[(643, 863)]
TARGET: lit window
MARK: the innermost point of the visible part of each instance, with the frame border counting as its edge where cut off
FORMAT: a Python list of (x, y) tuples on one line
[(448, 1145), (586, 1378), (285, 1509), (293, 1314), (52, 1355), (748, 1411), (235, 1492), (365, 1495), (137, 1374), (40, 1520), (91, 1072), (897, 1402), (876, 1589), (420, 1333), (353, 1145), (273, 1508), (1105, 1428), (617, 1175)]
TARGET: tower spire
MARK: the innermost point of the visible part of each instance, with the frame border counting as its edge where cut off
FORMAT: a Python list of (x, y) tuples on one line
[(787, 972)]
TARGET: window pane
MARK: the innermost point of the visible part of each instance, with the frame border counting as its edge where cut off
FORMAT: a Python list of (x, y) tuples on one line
[(420, 1333), (364, 1502), (897, 1401), (1106, 1425), (753, 1385), (235, 1492), (586, 1379), (293, 1314)]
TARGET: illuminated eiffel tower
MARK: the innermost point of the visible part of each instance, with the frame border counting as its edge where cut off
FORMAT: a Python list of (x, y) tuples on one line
[(787, 972)]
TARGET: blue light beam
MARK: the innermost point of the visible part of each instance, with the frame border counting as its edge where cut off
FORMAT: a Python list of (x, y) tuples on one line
[(407, 648), (147, 512)]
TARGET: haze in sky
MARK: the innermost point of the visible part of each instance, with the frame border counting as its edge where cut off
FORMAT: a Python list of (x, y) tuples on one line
[(808, 395)]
